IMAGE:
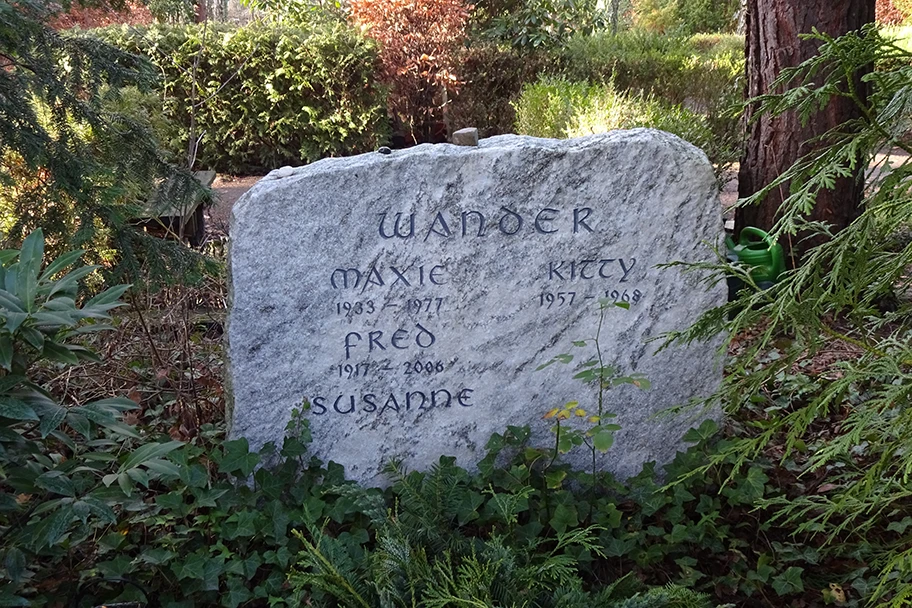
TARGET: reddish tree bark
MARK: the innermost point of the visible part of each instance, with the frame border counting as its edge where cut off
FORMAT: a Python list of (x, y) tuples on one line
[(774, 143)]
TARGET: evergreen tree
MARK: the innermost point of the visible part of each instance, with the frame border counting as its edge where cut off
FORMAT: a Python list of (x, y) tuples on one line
[(72, 161)]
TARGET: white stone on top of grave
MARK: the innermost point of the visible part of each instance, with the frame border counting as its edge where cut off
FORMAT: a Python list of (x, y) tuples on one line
[(409, 297)]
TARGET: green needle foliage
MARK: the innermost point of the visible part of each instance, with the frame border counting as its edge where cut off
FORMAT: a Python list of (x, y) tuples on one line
[(848, 426), (70, 162)]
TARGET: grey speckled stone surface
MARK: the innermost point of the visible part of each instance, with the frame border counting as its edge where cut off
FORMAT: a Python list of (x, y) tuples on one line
[(423, 342)]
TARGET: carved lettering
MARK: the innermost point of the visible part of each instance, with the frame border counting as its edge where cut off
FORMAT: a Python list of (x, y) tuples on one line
[(443, 229), (351, 401), (554, 271), (581, 221), (541, 218), (449, 398), (506, 216), (625, 269), (432, 275), (481, 222), (399, 277), (605, 263), (319, 407), (344, 274), (408, 400), (582, 269), (391, 404), (396, 227)]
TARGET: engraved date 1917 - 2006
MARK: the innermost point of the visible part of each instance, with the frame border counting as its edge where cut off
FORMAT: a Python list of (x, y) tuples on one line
[(422, 367)]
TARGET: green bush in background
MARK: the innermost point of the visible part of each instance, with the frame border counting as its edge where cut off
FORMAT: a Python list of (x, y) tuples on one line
[(689, 86), (559, 108), (703, 70), (260, 97)]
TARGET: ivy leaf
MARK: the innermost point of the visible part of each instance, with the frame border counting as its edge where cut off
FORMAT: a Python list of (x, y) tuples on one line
[(564, 517), (237, 593), (707, 429), (238, 458), (789, 581), (554, 479)]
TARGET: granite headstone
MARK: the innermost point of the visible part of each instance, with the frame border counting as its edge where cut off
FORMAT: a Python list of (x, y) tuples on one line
[(409, 297)]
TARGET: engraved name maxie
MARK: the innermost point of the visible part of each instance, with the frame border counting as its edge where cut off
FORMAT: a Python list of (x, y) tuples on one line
[(369, 291)]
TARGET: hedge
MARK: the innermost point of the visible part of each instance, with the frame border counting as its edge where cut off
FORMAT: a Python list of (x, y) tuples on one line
[(266, 96)]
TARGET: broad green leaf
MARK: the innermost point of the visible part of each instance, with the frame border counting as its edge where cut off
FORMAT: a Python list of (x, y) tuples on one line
[(789, 581), (698, 435), (70, 282), (11, 302), (56, 482), (79, 423), (148, 452), (33, 337), (108, 298), (61, 263), (602, 440), (6, 351), (163, 468), (157, 557), (8, 255), (51, 530), (53, 319), (565, 517), (140, 476), (125, 483), (11, 280), (15, 564), (14, 321), (9, 382), (30, 257), (101, 509), (58, 352), (8, 600), (84, 354), (115, 404), (16, 410), (60, 304)]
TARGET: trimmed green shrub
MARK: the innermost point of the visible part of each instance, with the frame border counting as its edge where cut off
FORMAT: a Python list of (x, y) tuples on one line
[(699, 70), (261, 97), (555, 107)]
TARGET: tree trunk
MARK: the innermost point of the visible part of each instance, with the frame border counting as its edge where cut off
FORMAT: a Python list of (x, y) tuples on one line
[(775, 143)]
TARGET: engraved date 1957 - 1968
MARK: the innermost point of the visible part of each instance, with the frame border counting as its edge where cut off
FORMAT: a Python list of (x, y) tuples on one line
[(548, 299)]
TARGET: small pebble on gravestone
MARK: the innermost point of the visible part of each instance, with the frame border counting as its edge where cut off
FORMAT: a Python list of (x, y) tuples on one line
[(466, 137)]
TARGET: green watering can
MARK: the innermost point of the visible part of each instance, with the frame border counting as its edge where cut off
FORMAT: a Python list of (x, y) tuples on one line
[(756, 249)]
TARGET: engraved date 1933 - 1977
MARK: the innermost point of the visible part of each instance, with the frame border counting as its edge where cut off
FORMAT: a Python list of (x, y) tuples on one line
[(357, 308)]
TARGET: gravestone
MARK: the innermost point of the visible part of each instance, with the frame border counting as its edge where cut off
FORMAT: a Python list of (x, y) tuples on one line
[(410, 296)]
